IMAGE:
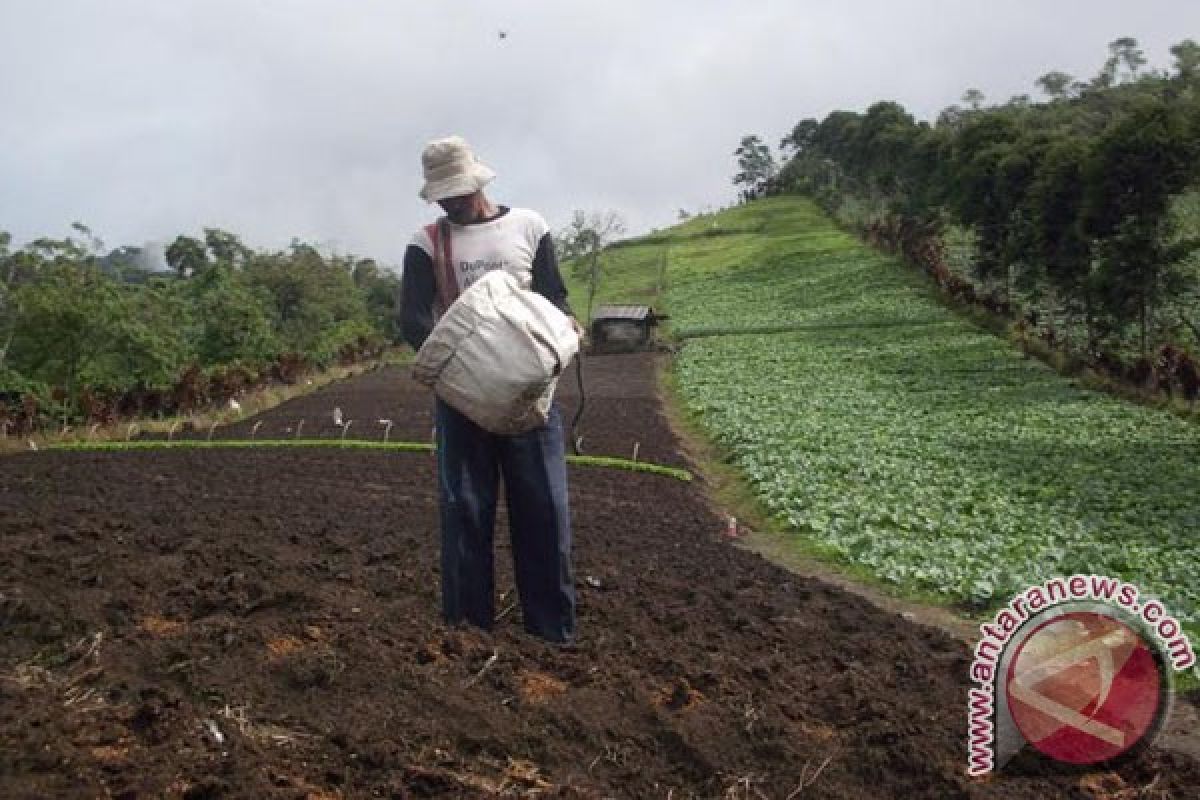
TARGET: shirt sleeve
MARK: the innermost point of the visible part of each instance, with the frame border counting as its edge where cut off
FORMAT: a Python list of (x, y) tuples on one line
[(547, 280), (416, 297)]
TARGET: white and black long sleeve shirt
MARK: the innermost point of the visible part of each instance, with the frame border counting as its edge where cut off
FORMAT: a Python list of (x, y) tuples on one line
[(517, 240)]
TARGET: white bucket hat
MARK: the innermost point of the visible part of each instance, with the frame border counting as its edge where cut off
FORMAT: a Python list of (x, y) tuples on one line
[(452, 170)]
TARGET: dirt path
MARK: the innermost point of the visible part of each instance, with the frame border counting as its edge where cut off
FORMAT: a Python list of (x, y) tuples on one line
[(261, 624)]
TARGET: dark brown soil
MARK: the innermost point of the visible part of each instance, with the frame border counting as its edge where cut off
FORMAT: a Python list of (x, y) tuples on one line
[(621, 411), (264, 624)]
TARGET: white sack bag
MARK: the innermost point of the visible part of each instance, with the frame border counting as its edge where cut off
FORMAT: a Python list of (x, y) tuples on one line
[(496, 354)]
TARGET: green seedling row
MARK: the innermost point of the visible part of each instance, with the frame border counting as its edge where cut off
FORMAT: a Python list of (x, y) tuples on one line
[(359, 444)]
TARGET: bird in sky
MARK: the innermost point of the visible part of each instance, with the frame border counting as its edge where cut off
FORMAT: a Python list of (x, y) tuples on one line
[(503, 35)]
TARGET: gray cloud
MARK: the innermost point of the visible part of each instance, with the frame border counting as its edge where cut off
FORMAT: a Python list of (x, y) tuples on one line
[(282, 118)]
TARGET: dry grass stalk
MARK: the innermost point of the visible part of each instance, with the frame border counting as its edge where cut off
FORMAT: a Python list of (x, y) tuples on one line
[(261, 732)]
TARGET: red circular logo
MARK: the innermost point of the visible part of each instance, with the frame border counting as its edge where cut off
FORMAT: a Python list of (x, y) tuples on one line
[(1084, 688)]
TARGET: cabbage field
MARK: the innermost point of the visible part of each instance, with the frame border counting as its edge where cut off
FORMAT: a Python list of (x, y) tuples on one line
[(941, 461), (895, 435)]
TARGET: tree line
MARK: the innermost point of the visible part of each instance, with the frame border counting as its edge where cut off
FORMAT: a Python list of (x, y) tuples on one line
[(1081, 209), (89, 335)]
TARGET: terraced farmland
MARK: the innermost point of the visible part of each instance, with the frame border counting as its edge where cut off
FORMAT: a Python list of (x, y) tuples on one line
[(894, 435)]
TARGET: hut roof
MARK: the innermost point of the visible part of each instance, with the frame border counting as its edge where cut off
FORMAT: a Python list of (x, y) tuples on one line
[(638, 313)]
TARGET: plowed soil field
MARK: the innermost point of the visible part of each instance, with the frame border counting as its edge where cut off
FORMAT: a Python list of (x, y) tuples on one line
[(264, 624)]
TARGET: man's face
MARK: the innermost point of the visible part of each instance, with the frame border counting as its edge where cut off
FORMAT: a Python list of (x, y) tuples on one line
[(461, 209)]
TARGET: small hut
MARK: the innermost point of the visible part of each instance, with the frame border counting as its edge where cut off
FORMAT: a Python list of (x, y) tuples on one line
[(622, 329)]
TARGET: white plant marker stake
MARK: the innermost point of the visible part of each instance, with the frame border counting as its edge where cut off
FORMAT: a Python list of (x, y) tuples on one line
[(486, 666), (92, 430), (214, 731), (211, 428), (346, 427), (636, 445), (387, 428), (299, 428), (130, 431), (171, 433), (254, 430)]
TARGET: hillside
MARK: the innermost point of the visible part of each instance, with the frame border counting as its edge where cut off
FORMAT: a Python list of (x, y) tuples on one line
[(893, 435)]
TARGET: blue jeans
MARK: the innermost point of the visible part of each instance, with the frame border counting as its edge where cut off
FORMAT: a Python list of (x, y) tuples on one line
[(534, 467)]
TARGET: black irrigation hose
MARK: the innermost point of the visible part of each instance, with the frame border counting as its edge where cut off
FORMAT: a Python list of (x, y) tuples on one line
[(576, 437)]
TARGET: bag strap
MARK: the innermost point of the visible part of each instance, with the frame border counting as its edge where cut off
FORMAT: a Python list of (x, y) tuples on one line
[(443, 263)]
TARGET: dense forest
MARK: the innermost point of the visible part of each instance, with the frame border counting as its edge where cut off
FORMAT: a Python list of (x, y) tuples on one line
[(1078, 216), (89, 335)]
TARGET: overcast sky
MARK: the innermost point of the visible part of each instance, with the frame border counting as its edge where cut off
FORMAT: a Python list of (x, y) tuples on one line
[(305, 118)]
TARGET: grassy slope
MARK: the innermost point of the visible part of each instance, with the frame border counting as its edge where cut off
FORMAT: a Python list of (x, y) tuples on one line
[(896, 436)]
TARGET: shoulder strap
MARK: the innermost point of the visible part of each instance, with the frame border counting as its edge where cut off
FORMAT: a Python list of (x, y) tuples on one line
[(443, 262)]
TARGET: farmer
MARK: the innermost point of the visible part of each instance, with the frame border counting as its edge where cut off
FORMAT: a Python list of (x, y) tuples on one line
[(484, 237)]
